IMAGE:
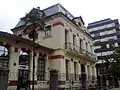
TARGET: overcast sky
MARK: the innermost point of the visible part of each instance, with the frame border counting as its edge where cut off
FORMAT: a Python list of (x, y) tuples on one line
[(91, 10)]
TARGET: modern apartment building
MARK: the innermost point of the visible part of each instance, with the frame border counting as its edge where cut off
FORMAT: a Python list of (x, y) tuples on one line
[(106, 34), (68, 48)]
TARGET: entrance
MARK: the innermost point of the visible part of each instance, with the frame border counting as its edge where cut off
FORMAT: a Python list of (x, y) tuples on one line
[(23, 75)]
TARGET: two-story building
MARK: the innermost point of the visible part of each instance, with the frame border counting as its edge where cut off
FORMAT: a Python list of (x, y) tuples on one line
[(68, 47)]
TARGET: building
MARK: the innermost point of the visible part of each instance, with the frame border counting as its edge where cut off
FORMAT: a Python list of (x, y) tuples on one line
[(67, 46), (106, 35)]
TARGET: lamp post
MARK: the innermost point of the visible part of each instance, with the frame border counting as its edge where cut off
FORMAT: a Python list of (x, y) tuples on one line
[(36, 16)]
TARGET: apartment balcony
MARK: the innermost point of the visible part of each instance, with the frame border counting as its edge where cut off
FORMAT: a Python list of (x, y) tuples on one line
[(74, 48)]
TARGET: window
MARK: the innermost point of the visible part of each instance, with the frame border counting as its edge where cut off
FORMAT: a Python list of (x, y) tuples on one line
[(41, 67), (74, 37), (86, 46), (48, 30), (103, 46), (107, 45), (80, 43), (110, 25), (75, 70), (67, 69), (98, 54), (91, 49), (102, 27), (66, 38), (79, 24), (116, 44), (97, 47), (82, 68), (112, 45), (111, 31), (96, 34)]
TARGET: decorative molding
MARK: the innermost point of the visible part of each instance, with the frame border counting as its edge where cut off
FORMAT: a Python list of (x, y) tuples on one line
[(16, 82), (56, 57), (58, 23)]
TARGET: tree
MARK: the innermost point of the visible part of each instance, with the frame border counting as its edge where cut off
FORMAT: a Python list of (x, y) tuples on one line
[(114, 67)]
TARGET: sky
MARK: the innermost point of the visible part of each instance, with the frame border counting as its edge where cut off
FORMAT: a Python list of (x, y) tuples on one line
[(91, 10)]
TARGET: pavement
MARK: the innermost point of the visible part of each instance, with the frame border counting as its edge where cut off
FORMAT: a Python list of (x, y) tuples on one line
[(115, 89)]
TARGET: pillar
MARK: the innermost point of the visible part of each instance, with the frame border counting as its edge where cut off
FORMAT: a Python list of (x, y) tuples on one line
[(13, 67), (91, 73), (79, 70), (57, 61), (31, 68)]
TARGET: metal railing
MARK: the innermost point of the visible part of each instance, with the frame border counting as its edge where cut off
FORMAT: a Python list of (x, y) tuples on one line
[(77, 49)]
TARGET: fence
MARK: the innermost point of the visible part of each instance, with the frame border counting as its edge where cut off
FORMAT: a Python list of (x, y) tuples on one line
[(74, 82)]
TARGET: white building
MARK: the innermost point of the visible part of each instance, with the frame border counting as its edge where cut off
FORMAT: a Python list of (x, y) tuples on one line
[(68, 47)]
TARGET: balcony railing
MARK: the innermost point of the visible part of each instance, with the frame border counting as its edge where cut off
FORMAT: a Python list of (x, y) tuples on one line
[(77, 49)]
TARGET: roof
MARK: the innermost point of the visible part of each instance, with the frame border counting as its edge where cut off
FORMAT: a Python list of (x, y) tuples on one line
[(48, 12), (8, 36), (99, 21)]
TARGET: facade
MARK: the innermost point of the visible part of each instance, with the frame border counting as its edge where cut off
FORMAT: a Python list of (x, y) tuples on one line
[(68, 49), (106, 35)]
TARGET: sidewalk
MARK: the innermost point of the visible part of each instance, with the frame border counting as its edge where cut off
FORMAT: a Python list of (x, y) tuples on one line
[(115, 89)]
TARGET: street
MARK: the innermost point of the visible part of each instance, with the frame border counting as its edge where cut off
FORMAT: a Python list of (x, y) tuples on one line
[(115, 89)]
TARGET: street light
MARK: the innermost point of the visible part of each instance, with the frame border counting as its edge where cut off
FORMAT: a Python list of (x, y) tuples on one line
[(35, 17)]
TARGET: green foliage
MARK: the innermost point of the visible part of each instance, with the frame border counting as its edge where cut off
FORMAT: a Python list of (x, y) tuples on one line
[(115, 64)]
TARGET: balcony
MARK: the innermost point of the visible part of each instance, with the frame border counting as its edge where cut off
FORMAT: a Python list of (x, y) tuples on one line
[(75, 48)]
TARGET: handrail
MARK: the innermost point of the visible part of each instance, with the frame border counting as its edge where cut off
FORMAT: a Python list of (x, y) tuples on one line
[(72, 47)]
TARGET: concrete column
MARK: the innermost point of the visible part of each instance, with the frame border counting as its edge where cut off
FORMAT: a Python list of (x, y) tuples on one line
[(89, 48), (95, 73), (36, 60), (88, 71), (58, 63), (79, 68), (31, 66), (71, 70), (13, 67), (91, 73)]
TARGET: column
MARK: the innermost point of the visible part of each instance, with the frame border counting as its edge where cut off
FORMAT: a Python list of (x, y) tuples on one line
[(95, 73), (88, 71), (91, 74), (58, 63), (79, 69), (13, 67), (71, 70), (89, 47), (31, 68)]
